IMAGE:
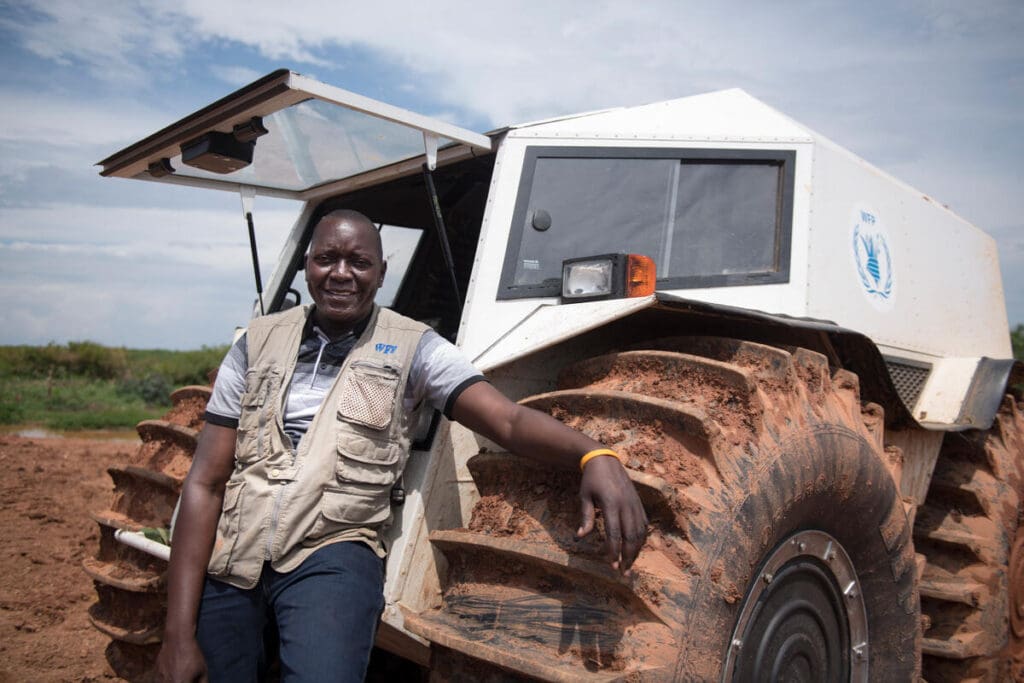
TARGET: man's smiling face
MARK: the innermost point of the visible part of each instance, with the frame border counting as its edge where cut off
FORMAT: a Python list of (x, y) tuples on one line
[(344, 269)]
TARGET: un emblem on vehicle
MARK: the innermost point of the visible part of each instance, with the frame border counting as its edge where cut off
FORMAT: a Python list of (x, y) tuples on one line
[(873, 258)]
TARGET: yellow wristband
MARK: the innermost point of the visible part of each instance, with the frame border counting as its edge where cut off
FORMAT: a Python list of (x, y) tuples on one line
[(598, 452)]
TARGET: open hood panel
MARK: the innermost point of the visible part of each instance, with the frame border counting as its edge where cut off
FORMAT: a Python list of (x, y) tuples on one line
[(284, 135)]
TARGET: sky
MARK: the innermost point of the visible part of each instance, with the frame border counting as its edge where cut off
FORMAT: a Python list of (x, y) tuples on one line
[(929, 91)]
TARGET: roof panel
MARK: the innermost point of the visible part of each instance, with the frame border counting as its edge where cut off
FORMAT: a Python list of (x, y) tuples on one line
[(723, 115), (316, 134)]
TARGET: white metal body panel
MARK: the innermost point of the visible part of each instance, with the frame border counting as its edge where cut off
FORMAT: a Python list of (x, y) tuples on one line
[(942, 396), (946, 295), (723, 116), (549, 324)]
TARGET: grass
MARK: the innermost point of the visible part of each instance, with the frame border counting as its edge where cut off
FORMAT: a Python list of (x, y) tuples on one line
[(83, 385), (73, 403)]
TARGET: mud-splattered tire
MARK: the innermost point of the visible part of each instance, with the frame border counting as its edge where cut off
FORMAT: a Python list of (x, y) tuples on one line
[(131, 596), (818, 543), (742, 453), (969, 530)]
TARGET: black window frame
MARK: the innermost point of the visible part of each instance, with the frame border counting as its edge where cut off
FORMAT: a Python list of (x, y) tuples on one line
[(785, 158)]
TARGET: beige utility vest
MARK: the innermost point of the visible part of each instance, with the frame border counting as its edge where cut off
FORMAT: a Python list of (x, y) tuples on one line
[(280, 506)]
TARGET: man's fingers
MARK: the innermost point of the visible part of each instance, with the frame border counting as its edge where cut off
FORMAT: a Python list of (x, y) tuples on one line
[(606, 484), (587, 517), (613, 537), (635, 531)]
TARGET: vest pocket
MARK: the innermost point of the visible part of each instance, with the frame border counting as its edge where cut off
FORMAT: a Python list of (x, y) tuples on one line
[(368, 394), (351, 504), (227, 529), (262, 388), (366, 461)]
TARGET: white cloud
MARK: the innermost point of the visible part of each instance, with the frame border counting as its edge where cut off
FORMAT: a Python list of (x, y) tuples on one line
[(150, 278), (212, 239), (65, 120), (543, 59), (188, 316), (113, 41), (235, 76)]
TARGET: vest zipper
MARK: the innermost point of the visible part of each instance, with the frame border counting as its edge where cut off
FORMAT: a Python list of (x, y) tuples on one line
[(268, 552)]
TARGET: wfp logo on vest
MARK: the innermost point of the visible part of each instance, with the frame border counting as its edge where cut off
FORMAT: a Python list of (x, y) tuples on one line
[(386, 349), (872, 258)]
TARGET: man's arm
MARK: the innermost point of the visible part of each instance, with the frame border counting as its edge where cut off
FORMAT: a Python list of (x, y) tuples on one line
[(194, 531), (537, 435)]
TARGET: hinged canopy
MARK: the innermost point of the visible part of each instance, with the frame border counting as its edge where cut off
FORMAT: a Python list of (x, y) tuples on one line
[(315, 134)]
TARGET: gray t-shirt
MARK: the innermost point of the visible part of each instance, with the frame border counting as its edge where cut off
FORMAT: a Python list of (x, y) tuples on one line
[(439, 374)]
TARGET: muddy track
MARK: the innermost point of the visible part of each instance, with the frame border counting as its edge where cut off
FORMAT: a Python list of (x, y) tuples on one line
[(734, 446), (969, 529), (130, 590)]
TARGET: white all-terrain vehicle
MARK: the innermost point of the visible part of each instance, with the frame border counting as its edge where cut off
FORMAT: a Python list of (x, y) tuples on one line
[(804, 362)]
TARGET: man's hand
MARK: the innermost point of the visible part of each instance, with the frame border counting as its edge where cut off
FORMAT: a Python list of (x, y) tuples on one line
[(537, 435), (181, 661), (606, 483)]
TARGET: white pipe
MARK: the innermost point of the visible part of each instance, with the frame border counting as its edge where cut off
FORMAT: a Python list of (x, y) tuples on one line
[(138, 541)]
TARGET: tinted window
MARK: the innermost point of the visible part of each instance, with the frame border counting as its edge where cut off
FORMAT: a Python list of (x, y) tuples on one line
[(706, 217), (725, 220)]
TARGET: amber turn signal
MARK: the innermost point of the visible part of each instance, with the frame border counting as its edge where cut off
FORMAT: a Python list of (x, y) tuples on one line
[(640, 275)]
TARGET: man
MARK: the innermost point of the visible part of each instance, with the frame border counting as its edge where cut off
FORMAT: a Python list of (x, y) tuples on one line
[(284, 500)]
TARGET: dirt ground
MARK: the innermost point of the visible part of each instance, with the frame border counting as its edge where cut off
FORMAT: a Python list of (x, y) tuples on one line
[(50, 488)]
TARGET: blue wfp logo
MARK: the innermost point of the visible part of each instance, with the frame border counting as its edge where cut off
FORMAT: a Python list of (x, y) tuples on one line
[(386, 349), (873, 258)]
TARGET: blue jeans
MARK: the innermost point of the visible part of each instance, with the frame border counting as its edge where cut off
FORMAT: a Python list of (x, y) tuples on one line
[(326, 613)]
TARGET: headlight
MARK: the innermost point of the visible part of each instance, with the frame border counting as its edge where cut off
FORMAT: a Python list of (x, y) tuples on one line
[(608, 276)]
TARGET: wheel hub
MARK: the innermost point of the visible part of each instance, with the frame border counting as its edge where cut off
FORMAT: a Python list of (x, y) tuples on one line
[(803, 618)]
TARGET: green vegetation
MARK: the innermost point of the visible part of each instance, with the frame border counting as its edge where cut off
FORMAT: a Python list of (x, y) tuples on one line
[(1017, 339), (158, 534), (82, 385)]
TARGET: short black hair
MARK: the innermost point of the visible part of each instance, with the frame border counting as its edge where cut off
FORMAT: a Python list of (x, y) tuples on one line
[(349, 216)]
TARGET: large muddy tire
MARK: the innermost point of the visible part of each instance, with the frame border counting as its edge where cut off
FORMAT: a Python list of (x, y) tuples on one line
[(969, 529), (779, 547), (130, 583)]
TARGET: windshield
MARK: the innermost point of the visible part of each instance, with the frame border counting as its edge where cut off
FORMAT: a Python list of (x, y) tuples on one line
[(706, 217), (287, 135), (313, 142)]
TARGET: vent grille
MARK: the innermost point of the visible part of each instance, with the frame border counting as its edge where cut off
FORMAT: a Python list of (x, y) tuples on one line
[(908, 377)]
